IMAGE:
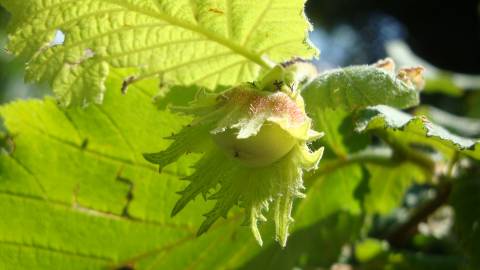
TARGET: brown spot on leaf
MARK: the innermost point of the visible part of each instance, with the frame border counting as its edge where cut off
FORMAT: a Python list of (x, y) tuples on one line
[(8, 144), (129, 195), (129, 80), (293, 61), (216, 10), (84, 144), (126, 267)]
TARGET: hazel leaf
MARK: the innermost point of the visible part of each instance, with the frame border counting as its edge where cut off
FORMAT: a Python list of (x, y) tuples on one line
[(410, 130), (208, 43), (357, 87), (76, 191)]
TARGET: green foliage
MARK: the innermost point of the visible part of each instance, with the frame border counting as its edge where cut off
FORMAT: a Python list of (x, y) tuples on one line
[(405, 129), (121, 199), (77, 192), (409, 261), (465, 200), (388, 184), (357, 87), (461, 125), (473, 104), (202, 42), (338, 126)]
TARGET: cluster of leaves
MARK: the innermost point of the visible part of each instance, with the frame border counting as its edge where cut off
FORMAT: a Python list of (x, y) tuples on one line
[(75, 189)]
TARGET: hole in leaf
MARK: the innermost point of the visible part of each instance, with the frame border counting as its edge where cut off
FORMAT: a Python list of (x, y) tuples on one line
[(58, 39)]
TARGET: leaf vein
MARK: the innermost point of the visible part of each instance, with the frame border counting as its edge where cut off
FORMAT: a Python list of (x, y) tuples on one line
[(184, 64), (97, 213), (236, 48), (218, 71), (258, 22), (119, 132), (63, 252), (28, 171)]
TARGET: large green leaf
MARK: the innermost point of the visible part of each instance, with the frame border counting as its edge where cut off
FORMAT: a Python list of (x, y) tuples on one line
[(75, 191), (410, 130), (202, 42)]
